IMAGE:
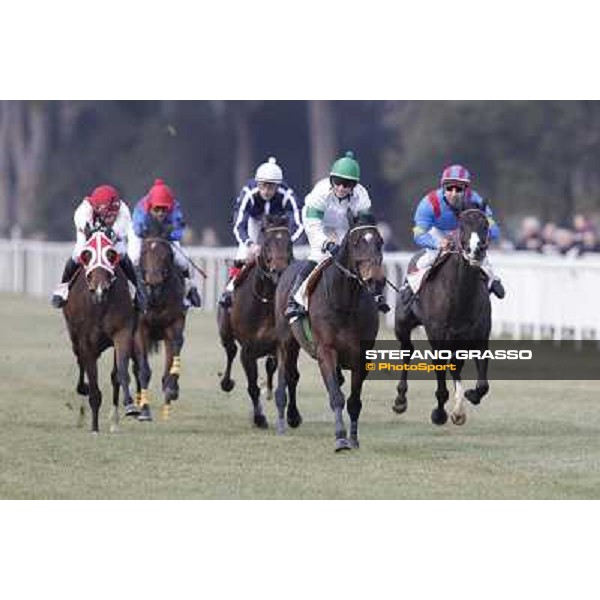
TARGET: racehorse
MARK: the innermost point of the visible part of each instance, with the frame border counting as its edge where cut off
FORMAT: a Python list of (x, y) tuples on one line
[(342, 314), (454, 307), (250, 321), (164, 319), (99, 314)]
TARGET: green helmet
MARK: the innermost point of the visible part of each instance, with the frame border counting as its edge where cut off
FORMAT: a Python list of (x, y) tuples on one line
[(346, 167)]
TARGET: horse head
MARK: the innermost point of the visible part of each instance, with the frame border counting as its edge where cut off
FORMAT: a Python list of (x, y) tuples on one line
[(361, 251), (472, 238), (276, 246), (99, 259), (156, 264)]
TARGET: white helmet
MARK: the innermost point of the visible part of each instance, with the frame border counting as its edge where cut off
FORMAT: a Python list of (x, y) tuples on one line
[(269, 172)]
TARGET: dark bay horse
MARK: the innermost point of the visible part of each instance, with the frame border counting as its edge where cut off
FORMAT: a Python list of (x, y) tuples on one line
[(342, 314), (164, 319), (454, 307), (99, 314), (251, 320)]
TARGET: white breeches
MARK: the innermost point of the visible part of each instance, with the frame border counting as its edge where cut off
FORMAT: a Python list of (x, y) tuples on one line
[(135, 251), (253, 233), (426, 261)]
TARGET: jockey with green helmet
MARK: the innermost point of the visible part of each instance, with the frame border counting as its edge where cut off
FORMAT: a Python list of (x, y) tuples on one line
[(325, 219)]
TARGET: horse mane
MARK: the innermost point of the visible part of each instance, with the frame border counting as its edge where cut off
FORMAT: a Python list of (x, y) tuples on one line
[(158, 229)]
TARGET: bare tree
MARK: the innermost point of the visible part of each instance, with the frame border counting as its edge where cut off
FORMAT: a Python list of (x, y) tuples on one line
[(323, 143)]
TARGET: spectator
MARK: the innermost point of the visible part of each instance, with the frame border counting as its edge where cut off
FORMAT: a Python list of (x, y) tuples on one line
[(530, 235)]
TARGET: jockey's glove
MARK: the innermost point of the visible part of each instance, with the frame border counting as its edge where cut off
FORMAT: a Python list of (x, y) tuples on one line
[(331, 247)]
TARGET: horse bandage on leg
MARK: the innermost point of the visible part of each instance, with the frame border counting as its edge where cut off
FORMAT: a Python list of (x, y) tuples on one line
[(138, 398), (175, 366), (143, 397)]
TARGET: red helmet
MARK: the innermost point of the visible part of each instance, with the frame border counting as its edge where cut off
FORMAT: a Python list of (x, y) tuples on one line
[(105, 200), (160, 194)]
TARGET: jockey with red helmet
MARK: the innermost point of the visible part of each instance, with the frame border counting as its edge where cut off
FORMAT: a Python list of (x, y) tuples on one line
[(437, 216), (160, 204), (103, 207)]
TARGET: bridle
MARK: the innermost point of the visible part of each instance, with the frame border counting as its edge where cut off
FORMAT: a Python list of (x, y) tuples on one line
[(261, 265)]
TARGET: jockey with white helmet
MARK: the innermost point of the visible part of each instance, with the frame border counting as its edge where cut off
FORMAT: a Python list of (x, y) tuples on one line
[(102, 207), (325, 218), (266, 193), (437, 216)]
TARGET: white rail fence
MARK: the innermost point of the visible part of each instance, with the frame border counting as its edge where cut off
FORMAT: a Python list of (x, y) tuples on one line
[(550, 297)]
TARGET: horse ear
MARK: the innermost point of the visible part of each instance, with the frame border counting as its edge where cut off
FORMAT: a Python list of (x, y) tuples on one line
[(85, 257)]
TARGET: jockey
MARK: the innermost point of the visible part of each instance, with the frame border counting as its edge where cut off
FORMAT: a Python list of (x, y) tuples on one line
[(267, 193), (325, 218), (437, 216), (159, 204), (102, 207)]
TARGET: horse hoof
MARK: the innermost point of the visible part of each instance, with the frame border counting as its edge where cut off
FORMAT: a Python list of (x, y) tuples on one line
[(473, 397), (227, 384), (145, 414), (458, 419), (131, 410), (400, 406), (261, 422), (439, 417), (280, 427), (342, 444), (83, 389), (294, 421), (171, 394), (354, 442)]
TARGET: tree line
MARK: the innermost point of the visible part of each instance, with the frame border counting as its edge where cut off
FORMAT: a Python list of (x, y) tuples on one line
[(527, 157)]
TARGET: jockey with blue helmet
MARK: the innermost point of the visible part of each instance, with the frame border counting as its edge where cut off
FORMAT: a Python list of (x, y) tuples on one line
[(160, 205), (265, 194), (436, 217)]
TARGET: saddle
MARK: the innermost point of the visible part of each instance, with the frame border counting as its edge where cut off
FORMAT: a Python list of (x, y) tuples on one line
[(315, 276)]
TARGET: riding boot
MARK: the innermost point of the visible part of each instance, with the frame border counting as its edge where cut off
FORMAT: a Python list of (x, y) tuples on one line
[(61, 293), (406, 298), (497, 289), (226, 299), (294, 310), (140, 301), (379, 298), (191, 291)]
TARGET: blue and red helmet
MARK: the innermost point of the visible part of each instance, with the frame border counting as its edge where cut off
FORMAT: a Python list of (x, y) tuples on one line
[(456, 173)]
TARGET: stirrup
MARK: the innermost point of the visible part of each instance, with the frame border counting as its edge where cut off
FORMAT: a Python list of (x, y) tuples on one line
[(294, 311)]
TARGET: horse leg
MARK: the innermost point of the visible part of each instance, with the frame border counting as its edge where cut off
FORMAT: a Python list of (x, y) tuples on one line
[(328, 366), (83, 389), (122, 343), (401, 403), (458, 415), (95, 396), (439, 416), (134, 410), (482, 386), (251, 370), (294, 418), (270, 367), (355, 403), (145, 373), (228, 342), (282, 383), (114, 412), (170, 380)]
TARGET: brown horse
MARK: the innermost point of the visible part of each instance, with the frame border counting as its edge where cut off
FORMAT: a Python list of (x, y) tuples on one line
[(250, 321), (164, 319), (99, 314), (342, 314)]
